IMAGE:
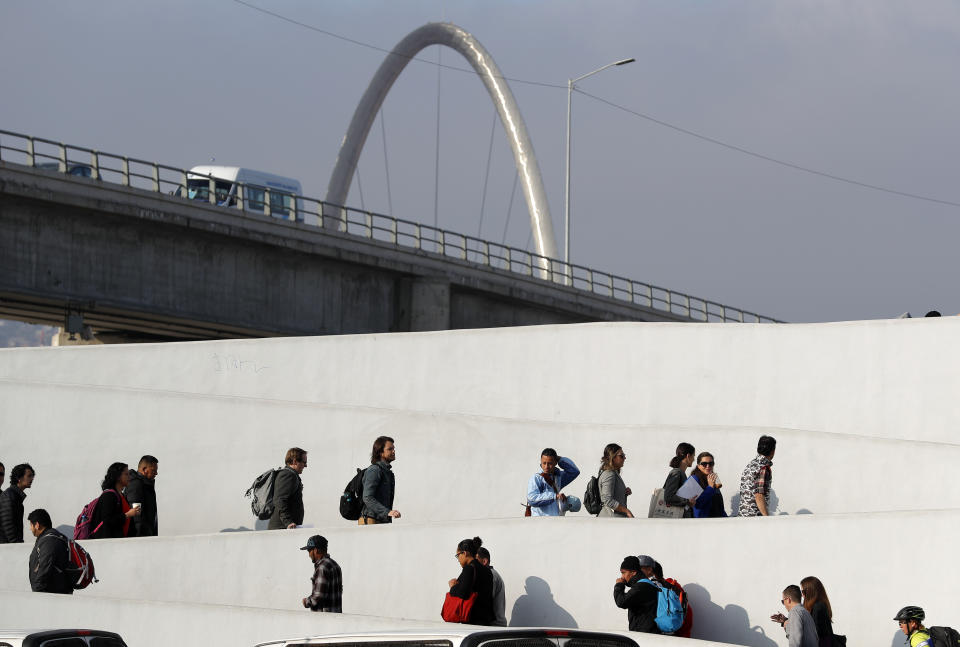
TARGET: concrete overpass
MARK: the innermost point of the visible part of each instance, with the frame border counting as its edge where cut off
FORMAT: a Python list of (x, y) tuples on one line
[(140, 263)]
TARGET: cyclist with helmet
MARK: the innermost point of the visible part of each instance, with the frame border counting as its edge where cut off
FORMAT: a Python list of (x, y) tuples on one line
[(911, 624)]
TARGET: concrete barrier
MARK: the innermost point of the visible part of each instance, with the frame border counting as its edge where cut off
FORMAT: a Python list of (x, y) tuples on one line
[(560, 572), (159, 624)]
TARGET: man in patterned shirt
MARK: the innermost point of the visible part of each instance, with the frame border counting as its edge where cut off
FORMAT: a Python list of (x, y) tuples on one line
[(327, 581), (756, 480)]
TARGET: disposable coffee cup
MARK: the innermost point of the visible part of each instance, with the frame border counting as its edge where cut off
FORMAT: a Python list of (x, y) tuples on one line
[(135, 505)]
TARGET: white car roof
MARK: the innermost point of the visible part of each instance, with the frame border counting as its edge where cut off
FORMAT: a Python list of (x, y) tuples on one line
[(453, 634)]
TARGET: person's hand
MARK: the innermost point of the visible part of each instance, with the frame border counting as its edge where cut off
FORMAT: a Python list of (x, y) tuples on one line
[(561, 496), (451, 583), (692, 500), (712, 479), (305, 603), (620, 580), (291, 526), (132, 512), (394, 513), (629, 514), (629, 491), (779, 618)]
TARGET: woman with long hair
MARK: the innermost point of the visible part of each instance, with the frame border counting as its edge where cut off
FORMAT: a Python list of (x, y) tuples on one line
[(815, 601), (679, 465), (112, 514), (613, 491), (710, 501), (474, 578)]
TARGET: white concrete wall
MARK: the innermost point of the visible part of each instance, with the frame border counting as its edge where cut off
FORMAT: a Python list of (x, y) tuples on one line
[(864, 413), (161, 624), (219, 413), (560, 572)]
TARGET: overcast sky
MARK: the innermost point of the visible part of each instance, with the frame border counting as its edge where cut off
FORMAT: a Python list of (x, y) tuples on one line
[(863, 89)]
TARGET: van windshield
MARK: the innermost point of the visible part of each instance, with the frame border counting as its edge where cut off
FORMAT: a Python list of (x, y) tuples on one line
[(199, 189)]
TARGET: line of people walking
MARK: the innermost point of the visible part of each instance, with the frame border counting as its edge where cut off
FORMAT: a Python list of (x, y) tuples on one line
[(697, 495)]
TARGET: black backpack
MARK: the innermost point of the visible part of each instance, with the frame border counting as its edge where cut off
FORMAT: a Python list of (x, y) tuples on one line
[(591, 498), (351, 501), (944, 636), (261, 494)]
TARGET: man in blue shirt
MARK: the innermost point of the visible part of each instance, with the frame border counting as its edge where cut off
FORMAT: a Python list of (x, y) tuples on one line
[(544, 498)]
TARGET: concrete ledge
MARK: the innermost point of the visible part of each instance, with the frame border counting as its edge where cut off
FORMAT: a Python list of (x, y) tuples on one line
[(560, 572)]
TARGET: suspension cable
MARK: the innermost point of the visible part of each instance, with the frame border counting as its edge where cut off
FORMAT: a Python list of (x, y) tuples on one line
[(486, 175), (386, 165), (513, 191)]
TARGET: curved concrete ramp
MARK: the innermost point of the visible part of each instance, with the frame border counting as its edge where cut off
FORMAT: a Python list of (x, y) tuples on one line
[(864, 413), (557, 572), (476, 407)]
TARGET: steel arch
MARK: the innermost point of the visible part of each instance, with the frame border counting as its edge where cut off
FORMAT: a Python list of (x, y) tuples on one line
[(463, 42)]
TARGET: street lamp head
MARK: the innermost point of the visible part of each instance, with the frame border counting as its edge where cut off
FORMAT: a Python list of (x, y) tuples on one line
[(625, 61)]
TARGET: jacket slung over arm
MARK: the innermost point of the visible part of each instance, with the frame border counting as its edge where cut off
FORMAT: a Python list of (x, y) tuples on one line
[(566, 473)]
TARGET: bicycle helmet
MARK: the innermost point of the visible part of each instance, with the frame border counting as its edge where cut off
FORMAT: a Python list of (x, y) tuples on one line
[(909, 613)]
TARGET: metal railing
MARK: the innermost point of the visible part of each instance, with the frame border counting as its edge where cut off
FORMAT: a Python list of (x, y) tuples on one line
[(158, 178)]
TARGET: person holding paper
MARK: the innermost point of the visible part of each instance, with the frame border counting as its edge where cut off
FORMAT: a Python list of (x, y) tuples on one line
[(679, 465), (709, 502)]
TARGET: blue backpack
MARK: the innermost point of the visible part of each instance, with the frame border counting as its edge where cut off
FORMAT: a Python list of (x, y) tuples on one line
[(669, 608)]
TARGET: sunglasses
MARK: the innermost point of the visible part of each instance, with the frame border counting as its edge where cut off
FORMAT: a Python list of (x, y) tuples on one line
[(707, 463)]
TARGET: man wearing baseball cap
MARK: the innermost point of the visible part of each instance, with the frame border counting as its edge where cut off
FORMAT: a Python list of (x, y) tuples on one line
[(327, 581), (641, 600)]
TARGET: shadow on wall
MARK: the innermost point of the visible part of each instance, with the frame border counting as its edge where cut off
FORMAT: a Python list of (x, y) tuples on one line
[(899, 639), (728, 624), (772, 508), (537, 608), (259, 524)]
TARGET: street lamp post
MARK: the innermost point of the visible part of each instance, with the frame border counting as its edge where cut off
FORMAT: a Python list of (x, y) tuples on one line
[(566, 209)]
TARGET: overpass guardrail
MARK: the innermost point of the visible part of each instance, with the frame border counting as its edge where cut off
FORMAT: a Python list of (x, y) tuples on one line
[(159, 178)]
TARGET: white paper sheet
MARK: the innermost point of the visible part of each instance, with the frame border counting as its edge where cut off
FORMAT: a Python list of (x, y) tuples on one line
[(690, 489)]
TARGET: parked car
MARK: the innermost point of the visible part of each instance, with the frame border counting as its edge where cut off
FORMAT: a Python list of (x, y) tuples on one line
[(61, 638), (466, 637), (81, 170)]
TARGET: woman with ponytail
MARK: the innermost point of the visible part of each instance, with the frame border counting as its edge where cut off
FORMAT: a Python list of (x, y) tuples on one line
[(474, 578), (679, 465)]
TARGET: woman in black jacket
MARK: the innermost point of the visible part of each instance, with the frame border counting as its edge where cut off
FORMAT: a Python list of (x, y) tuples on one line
[(679, 465), (474, 578), (815, 601), (112, 514)]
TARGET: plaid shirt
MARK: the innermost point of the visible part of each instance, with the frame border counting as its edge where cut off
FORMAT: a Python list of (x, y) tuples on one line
[(327, 592), (756, 479)]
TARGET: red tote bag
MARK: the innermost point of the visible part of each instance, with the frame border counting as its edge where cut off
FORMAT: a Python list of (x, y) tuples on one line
[(457, 609)]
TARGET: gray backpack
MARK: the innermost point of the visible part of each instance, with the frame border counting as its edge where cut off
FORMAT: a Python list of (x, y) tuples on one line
[(261, 494)]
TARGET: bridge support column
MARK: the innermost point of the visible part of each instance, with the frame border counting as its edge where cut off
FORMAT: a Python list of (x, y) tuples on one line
[(429, 304)]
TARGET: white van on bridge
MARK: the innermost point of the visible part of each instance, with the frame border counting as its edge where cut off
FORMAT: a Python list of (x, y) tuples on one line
[(246, 189)]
